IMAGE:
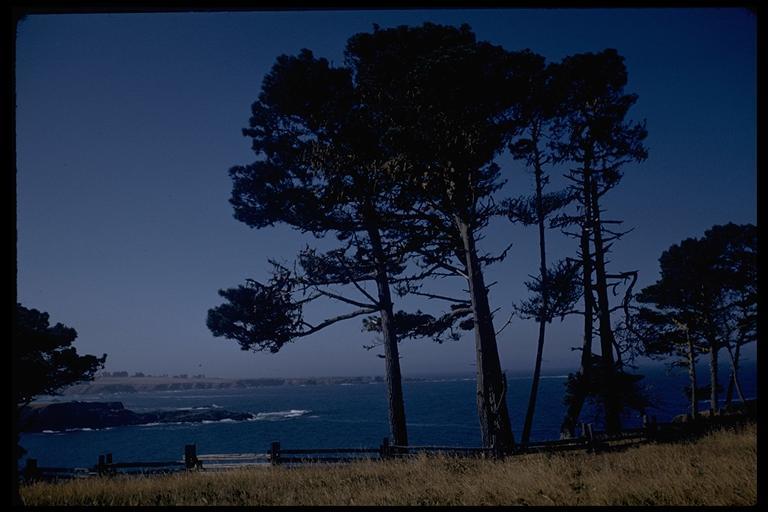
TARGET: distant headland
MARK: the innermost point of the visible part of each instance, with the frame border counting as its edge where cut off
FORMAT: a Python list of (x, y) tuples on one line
[(138, 382), (122, 382)]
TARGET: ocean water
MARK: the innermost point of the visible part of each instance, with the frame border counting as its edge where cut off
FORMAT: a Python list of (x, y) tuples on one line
[(439, 411)]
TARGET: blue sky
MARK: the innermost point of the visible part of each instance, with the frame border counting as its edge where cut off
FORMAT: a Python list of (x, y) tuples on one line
[(128, 123)]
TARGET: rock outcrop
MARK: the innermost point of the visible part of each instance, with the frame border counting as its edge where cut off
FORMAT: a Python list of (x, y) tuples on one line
[(71, 415)]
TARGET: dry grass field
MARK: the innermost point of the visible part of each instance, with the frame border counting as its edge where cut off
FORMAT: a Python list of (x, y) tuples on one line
[(719, 469)]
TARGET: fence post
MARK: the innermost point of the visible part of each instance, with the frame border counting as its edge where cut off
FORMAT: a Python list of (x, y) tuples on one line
[(30, 470), (190, 456), (583, 429), (649, 424), (590, 434), (274, 453), (384, 448), (100, 466)]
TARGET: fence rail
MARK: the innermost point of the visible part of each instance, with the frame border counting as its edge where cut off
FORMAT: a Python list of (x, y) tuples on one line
[(126, 465), (308, 451), (215, 457), (440, 449)]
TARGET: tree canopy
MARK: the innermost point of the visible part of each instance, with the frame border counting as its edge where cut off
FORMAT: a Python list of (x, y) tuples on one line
[(45, 360), (706, 296)]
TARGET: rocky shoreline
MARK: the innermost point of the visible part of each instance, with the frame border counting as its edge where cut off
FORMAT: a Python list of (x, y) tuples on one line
[(96, 415)]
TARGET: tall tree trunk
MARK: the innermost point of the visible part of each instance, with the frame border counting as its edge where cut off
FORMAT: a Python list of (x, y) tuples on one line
[(391, 353), (733, 381), (692, 375), (544, 297), (607, 340), (713, 375), (495, 429), (568, 427), (534, 387)]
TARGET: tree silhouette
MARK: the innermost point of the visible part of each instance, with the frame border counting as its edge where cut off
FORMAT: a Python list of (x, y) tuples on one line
[(705, 300), (739, 245), (44, 362), (555, 290), (322, 168), (593, 134), (662, 334), (447, 100)]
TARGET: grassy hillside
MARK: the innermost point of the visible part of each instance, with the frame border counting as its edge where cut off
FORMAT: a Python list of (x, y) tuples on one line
[(719, 469)]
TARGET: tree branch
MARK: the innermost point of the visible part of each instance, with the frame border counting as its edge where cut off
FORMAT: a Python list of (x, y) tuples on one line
[(443, 265), (313, 329), (341, 262), (348, 301), (509, 321), (441, 297)]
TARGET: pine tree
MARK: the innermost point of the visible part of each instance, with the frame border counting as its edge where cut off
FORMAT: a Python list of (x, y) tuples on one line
[(704, 301), (593, 134), (555, 289), (447, 99), (321, 169)]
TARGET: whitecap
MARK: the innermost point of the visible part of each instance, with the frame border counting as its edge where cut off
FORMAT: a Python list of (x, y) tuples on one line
[(225, 420), (280, 415)]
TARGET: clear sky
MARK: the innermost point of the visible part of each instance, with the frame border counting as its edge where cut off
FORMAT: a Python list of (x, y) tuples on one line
[(128, 123)]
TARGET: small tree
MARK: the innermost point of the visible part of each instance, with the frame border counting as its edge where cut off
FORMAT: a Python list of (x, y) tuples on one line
[(738, 244), (705, 300), (662, 334), (44, 362), (44, 359)]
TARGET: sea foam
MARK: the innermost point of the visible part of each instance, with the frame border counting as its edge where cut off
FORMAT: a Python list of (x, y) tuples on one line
[(280, 415)]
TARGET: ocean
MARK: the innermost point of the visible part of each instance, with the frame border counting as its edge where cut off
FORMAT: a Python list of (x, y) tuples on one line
[(439, 411)]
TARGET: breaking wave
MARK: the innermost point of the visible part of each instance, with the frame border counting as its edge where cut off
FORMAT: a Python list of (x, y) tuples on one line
[(77, 429), (279, 415)]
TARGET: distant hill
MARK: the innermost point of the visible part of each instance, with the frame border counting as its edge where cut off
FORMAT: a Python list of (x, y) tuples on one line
[(147, 383)]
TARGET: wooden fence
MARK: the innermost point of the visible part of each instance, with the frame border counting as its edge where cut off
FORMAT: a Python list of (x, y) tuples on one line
[(589, 440)]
